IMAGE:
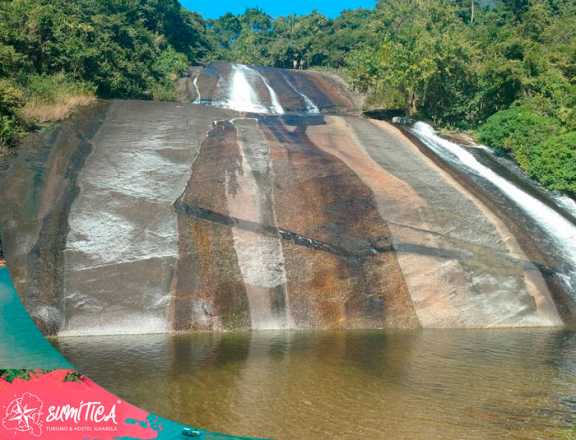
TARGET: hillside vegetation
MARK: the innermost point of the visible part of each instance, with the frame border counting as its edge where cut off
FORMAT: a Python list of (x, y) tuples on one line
[(57, 54), (505, 70), (502, 69)]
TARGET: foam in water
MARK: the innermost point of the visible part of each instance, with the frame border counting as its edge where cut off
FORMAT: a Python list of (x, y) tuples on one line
[(244, 98), (560, 230), (567, 203)]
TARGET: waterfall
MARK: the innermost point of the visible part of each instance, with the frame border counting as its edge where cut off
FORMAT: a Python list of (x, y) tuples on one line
[(198, 95), (273, 97), (242, 95), (567, 203), (559, 229), (310, 106), (244, 98)]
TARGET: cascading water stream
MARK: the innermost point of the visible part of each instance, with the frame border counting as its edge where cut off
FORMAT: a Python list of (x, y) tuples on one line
[(567, 203), (242, 95), (560, 230), (310, 106), (243, 90), (198, 95), (244, 98), (278, 109)]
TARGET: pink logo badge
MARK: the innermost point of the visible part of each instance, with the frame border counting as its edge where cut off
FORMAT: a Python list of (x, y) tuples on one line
[(24, 414)]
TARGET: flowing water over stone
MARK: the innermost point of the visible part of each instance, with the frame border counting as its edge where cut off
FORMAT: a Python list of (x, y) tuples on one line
[(263, 201), (260, 90), (430, 385), (310, 106), (272, 205), (243, 96), (557, 224)]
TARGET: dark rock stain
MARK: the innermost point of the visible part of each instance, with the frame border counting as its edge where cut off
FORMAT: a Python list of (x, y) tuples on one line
[(54, 158), (209, 293)]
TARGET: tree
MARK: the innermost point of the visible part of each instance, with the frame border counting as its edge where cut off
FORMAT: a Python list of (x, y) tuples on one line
[(422, 64)]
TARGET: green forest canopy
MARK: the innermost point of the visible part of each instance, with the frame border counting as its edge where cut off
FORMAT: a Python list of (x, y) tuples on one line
[(503, 69)]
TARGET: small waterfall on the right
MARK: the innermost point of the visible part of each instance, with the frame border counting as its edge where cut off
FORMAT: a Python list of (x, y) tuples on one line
[(310, 106), (198, 98), (560, 230), (276, 106)]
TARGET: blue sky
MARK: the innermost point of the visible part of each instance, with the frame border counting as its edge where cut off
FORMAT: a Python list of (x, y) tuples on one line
[(331, 8)]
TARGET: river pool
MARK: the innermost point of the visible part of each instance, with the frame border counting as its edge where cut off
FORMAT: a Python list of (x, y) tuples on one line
[(449, 385)]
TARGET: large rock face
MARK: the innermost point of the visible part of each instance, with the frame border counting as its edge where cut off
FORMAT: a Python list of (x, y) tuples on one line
[(265, 209), (257, 89)]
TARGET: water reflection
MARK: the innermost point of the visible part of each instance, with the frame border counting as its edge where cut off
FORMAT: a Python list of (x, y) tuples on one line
[(516, 384)]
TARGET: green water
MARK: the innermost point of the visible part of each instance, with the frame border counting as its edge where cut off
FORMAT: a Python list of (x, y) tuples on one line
[(445, 385), (22, 346), (21, 343)]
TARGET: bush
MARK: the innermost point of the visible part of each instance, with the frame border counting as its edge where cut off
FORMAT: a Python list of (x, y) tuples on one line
[(555, 166), (169, 66), (518, 131), (163, 91), (11, 124), (10, 131), (54, 97), (11, 97), (537, 144), (50, 89)]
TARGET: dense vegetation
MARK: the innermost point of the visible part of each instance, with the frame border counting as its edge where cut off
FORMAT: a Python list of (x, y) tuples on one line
[(504, 69), (55, 54)]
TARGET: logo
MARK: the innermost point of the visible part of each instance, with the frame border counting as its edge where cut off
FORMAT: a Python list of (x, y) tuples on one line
[(92, 412), (24, 414), (51, 406)]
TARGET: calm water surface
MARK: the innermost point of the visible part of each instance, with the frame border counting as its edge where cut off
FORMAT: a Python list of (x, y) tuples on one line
[(465, 385)]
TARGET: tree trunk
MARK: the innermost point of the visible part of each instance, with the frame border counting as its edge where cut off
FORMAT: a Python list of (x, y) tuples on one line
[(412, 108)]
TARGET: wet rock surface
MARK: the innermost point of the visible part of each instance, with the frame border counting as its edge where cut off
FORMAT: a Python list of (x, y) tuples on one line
[(294, 90), (253, 208)]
